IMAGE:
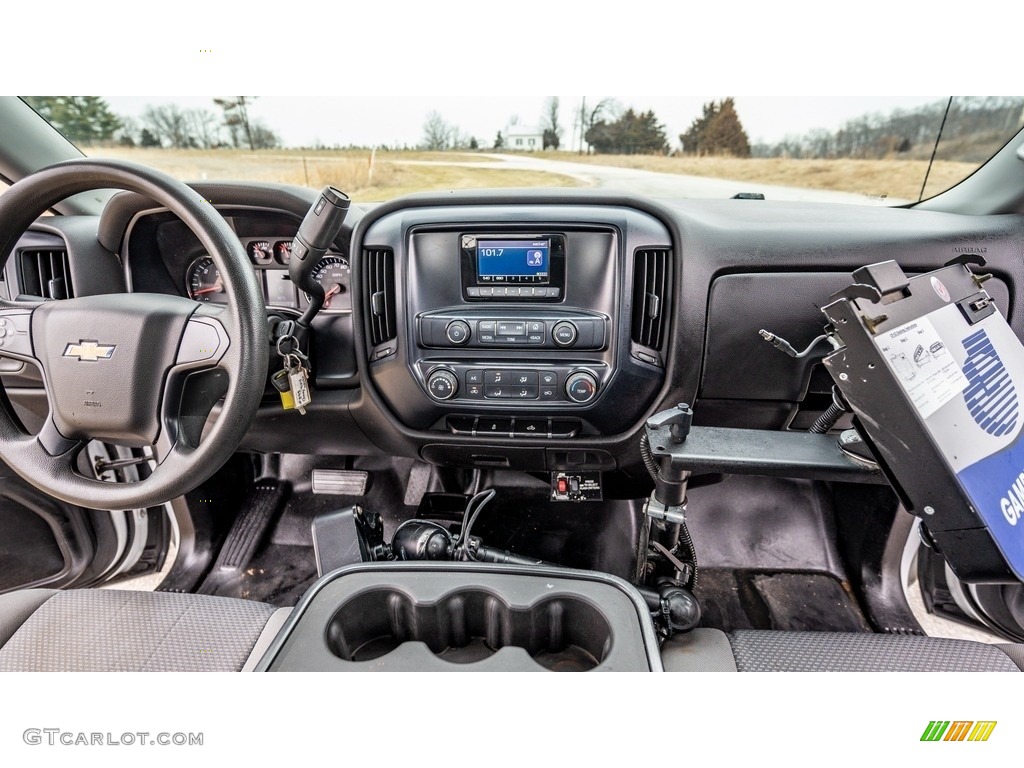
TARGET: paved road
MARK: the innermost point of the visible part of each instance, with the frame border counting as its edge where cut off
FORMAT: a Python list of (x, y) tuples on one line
[(662, 185)]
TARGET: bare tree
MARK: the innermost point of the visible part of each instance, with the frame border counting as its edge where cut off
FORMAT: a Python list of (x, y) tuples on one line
[(606, 109), (262, 136), (236, 118), (169, 123), (203, 127), (551, 124), (128, 134), (437, 134)]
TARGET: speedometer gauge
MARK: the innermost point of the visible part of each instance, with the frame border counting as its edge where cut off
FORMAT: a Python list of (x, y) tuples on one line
[(204, 283), (333, 273)]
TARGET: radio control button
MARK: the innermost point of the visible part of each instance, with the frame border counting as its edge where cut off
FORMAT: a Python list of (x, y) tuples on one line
[(457, 332), (564, 334), (535, 326), (511, 328)]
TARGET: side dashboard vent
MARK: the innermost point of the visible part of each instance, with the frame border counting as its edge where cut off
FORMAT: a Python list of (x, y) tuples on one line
[(380, 284), (650, 296), (45, 273)]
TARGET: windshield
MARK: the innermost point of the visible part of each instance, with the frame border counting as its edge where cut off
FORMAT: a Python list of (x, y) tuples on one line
[(887, 150)]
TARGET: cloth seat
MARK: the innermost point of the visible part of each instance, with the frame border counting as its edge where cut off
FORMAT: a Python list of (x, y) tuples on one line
[(711, 650), (100, 630)]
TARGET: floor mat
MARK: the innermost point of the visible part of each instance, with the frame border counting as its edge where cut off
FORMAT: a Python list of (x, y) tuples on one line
[(278, 575), (284, 567), (779, 600), (28, 550), (247, 533)]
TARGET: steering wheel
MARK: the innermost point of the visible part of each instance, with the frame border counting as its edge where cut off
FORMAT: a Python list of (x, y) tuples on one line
[(132, 369)]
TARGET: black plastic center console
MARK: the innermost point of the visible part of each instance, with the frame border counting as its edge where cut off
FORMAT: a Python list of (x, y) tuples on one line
[(466, 616), (527, 311)]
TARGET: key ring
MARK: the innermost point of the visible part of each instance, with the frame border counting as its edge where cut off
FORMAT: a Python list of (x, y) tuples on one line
[(291, 347)]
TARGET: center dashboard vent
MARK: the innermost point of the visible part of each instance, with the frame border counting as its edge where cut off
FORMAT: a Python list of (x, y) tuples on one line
[(380, 284), (650, 296), (45, 273)]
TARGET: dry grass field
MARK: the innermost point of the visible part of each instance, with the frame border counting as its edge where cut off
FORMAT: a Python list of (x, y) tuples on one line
[(399, 173), (389, 177), (892, 178)]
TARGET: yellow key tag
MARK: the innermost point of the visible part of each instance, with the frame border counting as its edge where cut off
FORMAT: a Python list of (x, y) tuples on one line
[(284, 390)]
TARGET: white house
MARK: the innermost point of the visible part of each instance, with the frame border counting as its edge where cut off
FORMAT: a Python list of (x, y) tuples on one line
[(524, 138)]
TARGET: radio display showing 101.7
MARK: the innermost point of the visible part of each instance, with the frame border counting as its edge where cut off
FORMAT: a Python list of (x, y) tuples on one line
[(513, 261)]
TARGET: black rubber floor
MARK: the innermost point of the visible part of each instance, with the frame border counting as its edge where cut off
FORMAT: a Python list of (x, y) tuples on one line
[(741, 599), (28, 550), (284, 566)]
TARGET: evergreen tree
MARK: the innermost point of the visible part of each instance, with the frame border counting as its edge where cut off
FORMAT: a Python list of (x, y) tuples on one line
[(632, 134), (80, 119), (717, 131)]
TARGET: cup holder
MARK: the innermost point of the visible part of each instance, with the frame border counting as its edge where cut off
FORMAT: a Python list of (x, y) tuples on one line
[(562, 633)]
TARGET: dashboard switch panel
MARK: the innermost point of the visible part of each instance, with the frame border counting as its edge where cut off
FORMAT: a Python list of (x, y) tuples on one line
[(583, 486), (513, 384), (513, 329), (518, 427)]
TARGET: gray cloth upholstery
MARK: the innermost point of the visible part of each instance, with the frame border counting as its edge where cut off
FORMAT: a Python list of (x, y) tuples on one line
[(16, 607), (1015, 652), (700, 650), (99, 630), (770, 651)]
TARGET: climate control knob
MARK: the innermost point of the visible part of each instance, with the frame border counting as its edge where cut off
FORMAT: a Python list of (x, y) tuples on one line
[(457, 332), (564, 334), (581, 387), (442, 385)]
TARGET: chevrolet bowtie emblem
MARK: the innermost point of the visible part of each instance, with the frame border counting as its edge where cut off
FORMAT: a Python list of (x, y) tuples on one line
[(90, 351)]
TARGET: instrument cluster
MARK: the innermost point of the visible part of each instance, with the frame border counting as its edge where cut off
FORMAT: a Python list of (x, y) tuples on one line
[(269, 258)]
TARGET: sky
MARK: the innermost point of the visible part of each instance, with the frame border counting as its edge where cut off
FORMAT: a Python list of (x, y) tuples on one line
[(368, 73), (375, 119)]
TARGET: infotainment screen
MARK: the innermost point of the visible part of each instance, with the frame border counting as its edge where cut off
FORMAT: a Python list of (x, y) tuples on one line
[(513, 261)]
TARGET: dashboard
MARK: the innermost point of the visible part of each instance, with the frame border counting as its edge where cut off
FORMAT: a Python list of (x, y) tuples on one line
[(525, 330)]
